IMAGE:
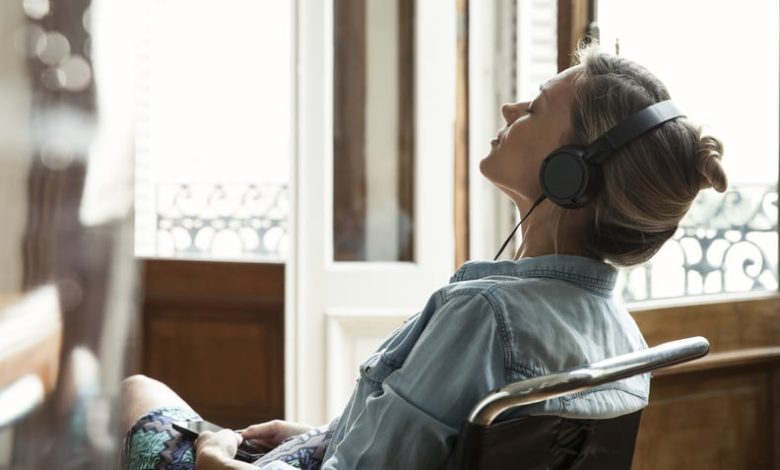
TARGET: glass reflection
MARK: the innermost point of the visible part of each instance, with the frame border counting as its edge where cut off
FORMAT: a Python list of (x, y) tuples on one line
[(51, 48), (373, 177), (67, 283), (36, 9)]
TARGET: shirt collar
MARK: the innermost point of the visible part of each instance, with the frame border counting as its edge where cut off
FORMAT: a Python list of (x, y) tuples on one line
[(586, 272)]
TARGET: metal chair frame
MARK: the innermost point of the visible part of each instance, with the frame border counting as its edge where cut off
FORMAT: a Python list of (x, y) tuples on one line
[(546, 387), (558, 384)]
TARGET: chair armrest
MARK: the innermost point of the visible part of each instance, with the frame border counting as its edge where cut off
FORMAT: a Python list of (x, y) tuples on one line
[(20, 398), (30, 340), (546, 387)]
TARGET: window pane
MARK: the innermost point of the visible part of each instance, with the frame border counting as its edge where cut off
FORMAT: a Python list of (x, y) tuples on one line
[(213, 129), (373, 130), (537, 47), (720, 62)]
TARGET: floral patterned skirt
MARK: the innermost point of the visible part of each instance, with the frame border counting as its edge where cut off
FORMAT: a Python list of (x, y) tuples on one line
[(153, 444)]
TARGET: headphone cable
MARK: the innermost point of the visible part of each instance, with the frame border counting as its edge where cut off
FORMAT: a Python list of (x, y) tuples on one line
[(506, 242)]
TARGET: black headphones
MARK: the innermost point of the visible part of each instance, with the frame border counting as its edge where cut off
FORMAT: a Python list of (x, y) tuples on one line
[(571, 175)]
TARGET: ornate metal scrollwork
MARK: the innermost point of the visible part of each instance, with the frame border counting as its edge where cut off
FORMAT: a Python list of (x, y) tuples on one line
[(726, 243), (223, 221)]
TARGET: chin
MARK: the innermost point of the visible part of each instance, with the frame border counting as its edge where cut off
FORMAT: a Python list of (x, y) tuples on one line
[(484, 167), (492, 171)]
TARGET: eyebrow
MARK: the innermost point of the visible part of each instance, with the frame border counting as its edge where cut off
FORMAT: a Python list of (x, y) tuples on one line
[(543, 92)]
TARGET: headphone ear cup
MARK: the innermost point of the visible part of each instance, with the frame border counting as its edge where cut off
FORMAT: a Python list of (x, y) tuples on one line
[(567, 178)]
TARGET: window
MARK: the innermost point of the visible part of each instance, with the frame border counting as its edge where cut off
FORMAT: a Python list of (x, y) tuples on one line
[(213, 129), (373, 130), (720, 63), (513, 50)]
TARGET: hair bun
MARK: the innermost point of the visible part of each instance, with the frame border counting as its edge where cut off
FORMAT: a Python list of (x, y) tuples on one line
[(708, 164)]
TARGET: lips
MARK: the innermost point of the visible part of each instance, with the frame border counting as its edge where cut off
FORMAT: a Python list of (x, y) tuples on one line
[(499, 138)]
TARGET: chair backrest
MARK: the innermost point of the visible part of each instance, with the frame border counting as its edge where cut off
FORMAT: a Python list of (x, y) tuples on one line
[(559, 443), (549, 442)]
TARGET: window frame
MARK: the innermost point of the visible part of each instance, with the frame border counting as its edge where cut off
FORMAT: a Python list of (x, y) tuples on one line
[(679, 317)]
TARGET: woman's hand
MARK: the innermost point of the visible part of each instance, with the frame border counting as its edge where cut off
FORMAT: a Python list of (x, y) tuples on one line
[(266, 436), (216, 450)]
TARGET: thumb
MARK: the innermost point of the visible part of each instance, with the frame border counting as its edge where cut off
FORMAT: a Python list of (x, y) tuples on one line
[(264, 435), (236, 435)]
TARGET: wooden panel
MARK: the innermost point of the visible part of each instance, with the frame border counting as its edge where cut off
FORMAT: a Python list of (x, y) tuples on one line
[(461, 171), (574, 16), (721, 411), (764, 357), (775, 415), (406, 121), (708, 420), (226, 365), (194, 280), (349, 130), (727, 325), (214, 332), (353, 127)]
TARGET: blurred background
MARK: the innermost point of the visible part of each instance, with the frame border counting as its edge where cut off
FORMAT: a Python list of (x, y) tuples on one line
[(185, 183), (68, 288)]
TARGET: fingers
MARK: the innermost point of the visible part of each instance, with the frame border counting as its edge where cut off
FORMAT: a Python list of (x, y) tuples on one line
[(261, 430), (265, 435), (272, 433), (224, 442)]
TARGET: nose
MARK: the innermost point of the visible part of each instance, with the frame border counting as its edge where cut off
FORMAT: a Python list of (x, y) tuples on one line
[(511, 111)]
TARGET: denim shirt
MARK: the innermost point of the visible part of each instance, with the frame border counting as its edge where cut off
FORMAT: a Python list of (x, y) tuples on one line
[(495, 323)]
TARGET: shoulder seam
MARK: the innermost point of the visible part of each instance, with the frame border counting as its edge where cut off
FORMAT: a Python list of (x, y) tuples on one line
[(504, 333), (598, 291)]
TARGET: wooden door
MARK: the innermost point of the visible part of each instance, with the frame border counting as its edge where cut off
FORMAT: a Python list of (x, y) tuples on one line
[(214, 332)]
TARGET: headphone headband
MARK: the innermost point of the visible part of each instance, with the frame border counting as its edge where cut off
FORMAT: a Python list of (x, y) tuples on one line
[(571, 175), (631, 128)]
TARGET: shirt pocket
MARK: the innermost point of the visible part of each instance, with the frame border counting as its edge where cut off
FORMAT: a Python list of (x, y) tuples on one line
[(376, 368)]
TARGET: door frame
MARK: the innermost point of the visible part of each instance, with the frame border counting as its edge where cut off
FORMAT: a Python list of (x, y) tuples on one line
[(327, 300)]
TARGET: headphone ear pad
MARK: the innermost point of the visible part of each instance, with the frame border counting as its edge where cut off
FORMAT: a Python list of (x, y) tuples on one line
[(567, 179)]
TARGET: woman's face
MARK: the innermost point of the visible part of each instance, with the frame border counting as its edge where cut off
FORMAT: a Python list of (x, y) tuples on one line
[(533, 130)]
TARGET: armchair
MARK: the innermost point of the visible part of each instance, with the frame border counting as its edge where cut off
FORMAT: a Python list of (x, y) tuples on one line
[(551, 442)]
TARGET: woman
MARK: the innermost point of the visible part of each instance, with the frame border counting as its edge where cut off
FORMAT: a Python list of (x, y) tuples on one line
[(496, 322)]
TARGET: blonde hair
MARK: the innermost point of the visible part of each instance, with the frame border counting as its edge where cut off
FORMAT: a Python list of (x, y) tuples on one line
[(650, 183)]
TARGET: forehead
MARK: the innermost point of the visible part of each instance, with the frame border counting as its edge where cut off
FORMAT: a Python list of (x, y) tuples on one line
[(559, 90)]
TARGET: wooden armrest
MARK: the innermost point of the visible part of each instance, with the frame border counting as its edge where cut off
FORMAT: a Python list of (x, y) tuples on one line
[(30, 340), (720, 360), (19, 398)]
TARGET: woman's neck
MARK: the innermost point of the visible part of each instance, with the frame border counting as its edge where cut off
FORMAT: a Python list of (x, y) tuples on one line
[(554, 230)]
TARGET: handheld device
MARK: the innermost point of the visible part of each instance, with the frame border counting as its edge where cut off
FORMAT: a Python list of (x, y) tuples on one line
[(246, 451)]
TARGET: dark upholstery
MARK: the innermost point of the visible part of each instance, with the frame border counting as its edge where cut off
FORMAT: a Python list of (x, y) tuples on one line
[(548, 442)]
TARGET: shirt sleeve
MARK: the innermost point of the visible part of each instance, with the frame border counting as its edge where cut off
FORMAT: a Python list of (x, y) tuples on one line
[(412, 421)]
